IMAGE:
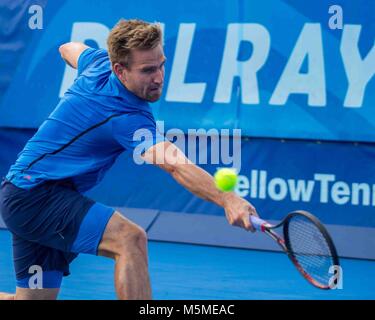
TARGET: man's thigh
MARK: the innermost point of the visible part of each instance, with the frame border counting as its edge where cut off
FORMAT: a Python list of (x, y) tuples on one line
[(39, 269)]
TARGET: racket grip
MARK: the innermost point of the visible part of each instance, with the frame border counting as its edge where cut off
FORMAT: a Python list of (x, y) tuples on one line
[(257, 223)]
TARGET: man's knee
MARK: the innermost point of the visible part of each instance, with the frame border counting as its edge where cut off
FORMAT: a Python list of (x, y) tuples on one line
[(124, 237), (136, 238), (131, 242)]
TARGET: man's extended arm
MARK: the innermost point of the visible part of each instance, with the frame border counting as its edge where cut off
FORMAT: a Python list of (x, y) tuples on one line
[(71, 51), (168, 157)]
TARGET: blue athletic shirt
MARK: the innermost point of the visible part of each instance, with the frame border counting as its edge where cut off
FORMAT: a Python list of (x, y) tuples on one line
[(91, 126)]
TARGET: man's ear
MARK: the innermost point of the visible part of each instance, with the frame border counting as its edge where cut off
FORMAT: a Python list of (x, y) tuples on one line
[(119, 71)]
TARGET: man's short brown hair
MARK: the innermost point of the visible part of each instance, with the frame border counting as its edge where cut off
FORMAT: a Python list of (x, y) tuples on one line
[(132, 34)]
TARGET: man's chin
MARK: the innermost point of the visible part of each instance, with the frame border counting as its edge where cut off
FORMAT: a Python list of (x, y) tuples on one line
[(153, 98)]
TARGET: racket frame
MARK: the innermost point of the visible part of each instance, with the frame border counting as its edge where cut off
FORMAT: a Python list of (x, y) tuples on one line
[(284, 243)]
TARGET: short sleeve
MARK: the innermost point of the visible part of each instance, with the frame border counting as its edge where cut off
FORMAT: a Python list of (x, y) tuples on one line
[(136, 132), (89, 56)]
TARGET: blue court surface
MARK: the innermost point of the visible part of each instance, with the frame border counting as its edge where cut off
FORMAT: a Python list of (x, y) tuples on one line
[(181, 271)]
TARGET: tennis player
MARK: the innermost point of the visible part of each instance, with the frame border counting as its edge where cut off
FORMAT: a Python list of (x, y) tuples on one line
[(42, 197)]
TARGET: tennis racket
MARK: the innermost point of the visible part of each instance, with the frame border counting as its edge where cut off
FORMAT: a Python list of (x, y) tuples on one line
[(308, 245)]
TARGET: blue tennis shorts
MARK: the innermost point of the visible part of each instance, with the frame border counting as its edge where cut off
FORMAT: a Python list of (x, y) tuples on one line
[(51, 224)]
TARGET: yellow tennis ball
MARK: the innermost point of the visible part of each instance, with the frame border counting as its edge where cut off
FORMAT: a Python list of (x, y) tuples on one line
[(226, 179)]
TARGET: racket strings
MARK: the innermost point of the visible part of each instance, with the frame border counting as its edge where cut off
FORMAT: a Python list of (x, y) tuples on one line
[(310, 248)]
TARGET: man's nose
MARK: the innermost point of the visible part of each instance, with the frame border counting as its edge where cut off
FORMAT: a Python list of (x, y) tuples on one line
[(159, 77)]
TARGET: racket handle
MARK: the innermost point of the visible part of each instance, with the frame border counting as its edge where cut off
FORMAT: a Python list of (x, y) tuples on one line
[(258, 223)]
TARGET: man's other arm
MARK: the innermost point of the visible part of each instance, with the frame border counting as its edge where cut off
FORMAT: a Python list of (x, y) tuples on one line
[(71, 51)]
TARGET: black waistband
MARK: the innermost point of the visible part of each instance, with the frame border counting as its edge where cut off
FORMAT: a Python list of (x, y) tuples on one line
[(68, 183)]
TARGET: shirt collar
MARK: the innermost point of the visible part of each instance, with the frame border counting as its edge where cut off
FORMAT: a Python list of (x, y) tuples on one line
[(127, 95)]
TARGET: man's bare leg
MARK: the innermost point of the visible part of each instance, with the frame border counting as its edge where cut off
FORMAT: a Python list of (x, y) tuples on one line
[(36, 294), (6, 296), (31, 294), (126, 243)]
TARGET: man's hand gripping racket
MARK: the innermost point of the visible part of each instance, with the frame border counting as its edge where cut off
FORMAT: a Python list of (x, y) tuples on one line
[(307, 243)]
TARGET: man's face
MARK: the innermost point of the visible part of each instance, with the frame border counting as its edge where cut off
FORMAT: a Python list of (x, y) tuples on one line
[(145, 75)]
